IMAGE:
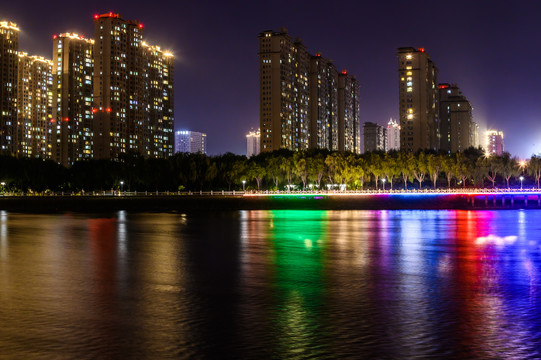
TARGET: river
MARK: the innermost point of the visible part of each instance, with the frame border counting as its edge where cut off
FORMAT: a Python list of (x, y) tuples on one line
[(271, 284)]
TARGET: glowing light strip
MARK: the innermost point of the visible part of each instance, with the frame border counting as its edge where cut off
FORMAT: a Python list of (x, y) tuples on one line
[(466, 193)]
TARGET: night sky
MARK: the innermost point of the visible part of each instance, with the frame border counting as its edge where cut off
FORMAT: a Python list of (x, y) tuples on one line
[(490, 49)]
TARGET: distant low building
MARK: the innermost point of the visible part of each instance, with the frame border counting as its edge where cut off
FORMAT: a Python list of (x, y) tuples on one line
[(190, 142), (393, 135), (374, 137), (494, 142), (252, 143)]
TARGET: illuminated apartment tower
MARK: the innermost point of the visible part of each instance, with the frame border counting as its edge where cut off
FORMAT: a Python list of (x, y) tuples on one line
[(190, 142), (118, 87), (455, 118), (71, 126), (418, 100), (158, 102), (375, 137), (393, 136), (323, 82), (9, 61), (284, 94), (494, 142), (34, 104), (252, 143), (349, 137)]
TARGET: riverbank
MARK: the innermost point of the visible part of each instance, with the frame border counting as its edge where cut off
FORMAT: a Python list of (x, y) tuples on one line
[(175, 203)]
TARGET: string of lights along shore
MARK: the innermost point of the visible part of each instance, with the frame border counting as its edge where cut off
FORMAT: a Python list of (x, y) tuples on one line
[(96, 98)]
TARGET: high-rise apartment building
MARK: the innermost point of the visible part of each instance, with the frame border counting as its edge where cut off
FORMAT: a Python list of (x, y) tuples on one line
[(118, 86), (475, 132), (284, 67), (9, 62), (304, 102), (71, 124), (455, 118), (159, 102), (252, 143), (349, 137), (375, 137), (393, 135), (323, 84), (418, 100), (494, 142), (190, 141), (34, 104), (133, 91)]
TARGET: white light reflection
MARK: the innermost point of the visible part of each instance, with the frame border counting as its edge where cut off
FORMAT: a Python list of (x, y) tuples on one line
[(3, 234), (122, 237)]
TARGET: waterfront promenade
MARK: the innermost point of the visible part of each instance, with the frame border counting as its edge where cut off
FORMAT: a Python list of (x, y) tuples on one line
[(103, 201)]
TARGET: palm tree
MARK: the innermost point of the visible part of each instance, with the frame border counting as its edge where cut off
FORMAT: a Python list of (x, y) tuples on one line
[(316, 168), (534, 168), (390, 167), (449, 167), (375, 166), (490, 166), (406, 163), (300, 167), (419, 170), (509, 167), (433, 166)]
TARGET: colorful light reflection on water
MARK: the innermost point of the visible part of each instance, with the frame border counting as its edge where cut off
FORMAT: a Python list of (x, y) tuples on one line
[(272, 284)]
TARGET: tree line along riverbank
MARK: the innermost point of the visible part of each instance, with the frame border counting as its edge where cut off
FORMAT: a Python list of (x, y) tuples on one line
[(278, 170)]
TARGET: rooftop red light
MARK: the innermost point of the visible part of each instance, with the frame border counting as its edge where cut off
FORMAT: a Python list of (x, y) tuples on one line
[(344, 72), (443, 86), (421, 49), (55, 36), (96, 16), (140, 26)]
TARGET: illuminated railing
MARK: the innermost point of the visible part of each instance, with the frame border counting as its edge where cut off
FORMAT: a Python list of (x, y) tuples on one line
[(369, 192)]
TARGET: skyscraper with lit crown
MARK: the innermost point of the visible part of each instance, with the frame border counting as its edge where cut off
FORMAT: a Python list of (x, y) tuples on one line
[(71, 124), (252, 143), (34, 104), (133, 91)]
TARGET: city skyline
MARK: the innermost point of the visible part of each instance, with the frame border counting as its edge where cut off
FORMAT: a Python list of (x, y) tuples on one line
[(473, 51)]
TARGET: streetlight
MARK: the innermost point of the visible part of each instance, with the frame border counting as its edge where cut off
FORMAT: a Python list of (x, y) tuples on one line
[(383, 181), (521, 178), (522, 164), (121, 185), (243, 185)]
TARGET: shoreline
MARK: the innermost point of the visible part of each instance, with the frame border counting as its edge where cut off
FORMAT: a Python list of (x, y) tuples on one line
[(175, 203)]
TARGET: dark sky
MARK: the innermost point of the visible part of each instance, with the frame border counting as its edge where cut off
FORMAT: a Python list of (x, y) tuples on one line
[(491, 49)]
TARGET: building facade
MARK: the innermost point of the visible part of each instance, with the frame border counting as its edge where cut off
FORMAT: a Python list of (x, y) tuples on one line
[(133, 91), (494, 142), (284, 66), (418, 100), (349, 137), (323, 84), (72, 116), (34, 105), (457, 130), (159, 102), (190, 142), (252, 143), (9, 64), (393, 135), (375, 137)]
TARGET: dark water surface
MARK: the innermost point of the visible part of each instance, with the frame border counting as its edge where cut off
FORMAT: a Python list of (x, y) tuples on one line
[(271, 284)]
